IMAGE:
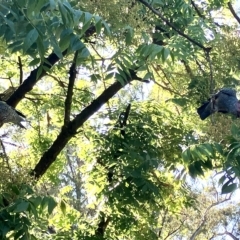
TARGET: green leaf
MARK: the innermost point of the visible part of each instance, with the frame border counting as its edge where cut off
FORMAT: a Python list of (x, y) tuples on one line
[(231, 154), (186, 156), (229, 188), (198, 167), (84, 53), (109, 76), (222, 180), (235, 131), (34, 62), (56, 48), (165, 54), (180, 101), (51, 205), (218, 148), (142, 68), (21, 207), (33, 210), (148, 76), (11, 25), (39, 72), (41, 48), (63, 206), (128, 35), (87, 22), (30, 39), (123, 74), (98, 24), (22, 3), (11, 11), (192, 171), (15, 189), (107, 30), (207, 164), (120, 79), (38, 5), (19, 234), (76, 43), (63, 13)]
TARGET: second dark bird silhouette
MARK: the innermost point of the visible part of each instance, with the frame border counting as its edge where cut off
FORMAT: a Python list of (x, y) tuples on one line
[(224, 101)]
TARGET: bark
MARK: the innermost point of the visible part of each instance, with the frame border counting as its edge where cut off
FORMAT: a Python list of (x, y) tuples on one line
[(67, 132)]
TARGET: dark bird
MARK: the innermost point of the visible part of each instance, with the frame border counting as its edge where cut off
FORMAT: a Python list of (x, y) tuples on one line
[(9, 114), (224, 101)]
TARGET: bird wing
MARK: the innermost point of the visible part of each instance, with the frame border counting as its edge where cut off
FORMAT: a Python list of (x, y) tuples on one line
[(228, 91)]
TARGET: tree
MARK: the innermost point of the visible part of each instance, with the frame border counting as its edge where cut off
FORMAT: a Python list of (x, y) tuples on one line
[(101, 156)]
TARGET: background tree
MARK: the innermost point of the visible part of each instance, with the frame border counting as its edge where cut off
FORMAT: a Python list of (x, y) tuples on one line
[(110, 92)]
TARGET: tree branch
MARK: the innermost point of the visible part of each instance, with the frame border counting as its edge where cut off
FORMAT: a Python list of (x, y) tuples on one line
[(102, 226), (233, 12), (227, 233), (122, 120), (163, 222), (68, 101), (173, 27), (197, 10), (32, 79), (67, 132), (204, 219), (20, 70), (174, 231)]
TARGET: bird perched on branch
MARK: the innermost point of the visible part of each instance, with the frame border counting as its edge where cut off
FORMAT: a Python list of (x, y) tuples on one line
[(9, 114), (224, 101)]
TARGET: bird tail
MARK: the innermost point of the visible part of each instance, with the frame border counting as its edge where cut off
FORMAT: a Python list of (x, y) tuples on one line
[(20, 118), (21, 126), (205, 110)]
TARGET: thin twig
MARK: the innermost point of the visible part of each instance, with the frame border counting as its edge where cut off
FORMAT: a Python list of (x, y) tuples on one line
[(197, 10), (188, 69), (20, 70), (163, 222), (174, 231), (165, 88), (173, 27)]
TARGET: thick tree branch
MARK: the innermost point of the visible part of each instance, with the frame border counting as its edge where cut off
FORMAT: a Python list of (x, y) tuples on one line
[(32, 79), (233, 12), (70, 130), (68, 101), (173, 27)]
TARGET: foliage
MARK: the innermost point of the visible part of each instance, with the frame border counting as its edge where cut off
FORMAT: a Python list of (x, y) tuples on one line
[(110, 90)]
